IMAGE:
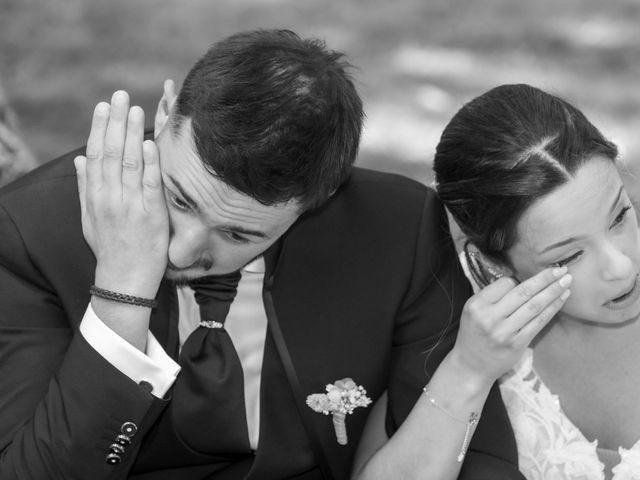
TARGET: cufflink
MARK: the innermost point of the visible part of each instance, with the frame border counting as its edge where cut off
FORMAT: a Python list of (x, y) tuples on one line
[(113, 459), (146, 386)]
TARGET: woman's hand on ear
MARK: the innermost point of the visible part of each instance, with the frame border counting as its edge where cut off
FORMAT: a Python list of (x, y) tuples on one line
[(500, 321)]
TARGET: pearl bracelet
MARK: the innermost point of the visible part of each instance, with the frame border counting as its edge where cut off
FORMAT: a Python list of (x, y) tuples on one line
[(471, 422)]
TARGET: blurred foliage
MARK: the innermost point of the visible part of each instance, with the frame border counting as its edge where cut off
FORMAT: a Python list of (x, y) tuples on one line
[(417, 61), (15, 157)]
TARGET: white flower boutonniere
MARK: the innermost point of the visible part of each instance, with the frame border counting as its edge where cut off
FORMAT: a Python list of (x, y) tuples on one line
[(342, 398)]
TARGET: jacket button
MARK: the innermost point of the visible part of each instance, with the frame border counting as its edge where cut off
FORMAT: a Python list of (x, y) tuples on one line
[(113, 459), (146, 386), (116, 448), (129, 429), (123, 440)]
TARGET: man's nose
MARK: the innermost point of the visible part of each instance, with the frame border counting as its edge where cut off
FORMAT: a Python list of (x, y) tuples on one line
[(187, 246)]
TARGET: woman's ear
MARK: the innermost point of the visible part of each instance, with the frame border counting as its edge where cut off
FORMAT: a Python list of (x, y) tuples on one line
[(165, 106), (459, 238)]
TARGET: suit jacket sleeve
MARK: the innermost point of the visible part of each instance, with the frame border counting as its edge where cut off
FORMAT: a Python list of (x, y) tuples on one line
[(426, 328), (61, 404)]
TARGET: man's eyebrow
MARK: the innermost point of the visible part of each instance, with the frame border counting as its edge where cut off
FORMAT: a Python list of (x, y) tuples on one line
[(192, 203), (569, 240), (244, 231)]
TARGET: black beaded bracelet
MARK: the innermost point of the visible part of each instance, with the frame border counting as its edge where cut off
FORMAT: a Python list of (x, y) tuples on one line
[(122, 298)]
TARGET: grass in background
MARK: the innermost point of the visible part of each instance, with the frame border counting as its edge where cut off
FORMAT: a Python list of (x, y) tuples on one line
[(417, 60)]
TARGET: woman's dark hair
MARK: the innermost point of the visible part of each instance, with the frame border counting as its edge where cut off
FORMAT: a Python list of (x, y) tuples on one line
[(504, 150), (275, 116)]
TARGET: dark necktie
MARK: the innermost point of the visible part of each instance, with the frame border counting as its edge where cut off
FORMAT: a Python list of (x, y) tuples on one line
[(208, 397)]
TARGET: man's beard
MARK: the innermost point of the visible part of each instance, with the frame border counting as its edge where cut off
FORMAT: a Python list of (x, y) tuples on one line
[(181, 278)]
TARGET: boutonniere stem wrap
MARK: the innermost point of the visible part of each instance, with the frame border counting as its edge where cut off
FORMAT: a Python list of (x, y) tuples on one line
[(341, 399)]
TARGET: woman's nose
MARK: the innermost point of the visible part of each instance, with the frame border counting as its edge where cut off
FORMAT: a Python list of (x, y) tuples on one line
[(616, 264)]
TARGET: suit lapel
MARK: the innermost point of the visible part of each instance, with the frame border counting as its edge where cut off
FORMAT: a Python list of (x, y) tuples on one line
[(305, 341)]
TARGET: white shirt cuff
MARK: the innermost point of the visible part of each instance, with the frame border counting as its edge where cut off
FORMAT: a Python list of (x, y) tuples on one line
[(155, 367)]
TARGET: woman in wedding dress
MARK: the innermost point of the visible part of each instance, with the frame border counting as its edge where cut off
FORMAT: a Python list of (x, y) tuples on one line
[(533, 185)]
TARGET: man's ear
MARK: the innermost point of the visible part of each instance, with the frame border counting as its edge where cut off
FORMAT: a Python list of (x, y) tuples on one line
[(165, 107)]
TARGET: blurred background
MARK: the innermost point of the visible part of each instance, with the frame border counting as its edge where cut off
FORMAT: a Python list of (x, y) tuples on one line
[(418, 62)]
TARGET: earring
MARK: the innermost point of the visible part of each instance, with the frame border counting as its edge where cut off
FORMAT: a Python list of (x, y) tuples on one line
[(494, 273), (476, 257)]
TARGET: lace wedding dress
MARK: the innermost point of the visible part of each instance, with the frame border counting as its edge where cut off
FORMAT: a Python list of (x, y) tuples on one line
[(550, 447)]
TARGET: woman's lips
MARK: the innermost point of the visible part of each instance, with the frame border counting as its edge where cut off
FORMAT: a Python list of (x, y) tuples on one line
[(626, 298)]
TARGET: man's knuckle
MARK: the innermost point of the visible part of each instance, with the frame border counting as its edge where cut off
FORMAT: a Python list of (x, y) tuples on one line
[(151, 161), (111, 150), (150, 183), (92, 156), (130, 162)]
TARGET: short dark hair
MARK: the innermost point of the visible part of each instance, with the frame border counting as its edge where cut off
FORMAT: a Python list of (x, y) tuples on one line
[(274, 116), (502, 151)]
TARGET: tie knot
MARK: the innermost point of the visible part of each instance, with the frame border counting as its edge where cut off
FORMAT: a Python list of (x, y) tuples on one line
[(214, 295)]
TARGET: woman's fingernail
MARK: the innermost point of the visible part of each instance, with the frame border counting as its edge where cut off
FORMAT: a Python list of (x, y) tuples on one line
[(565, 295), (565, 281), (559, 271)]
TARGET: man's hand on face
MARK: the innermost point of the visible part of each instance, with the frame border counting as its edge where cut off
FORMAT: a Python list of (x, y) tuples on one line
[(124, 214)]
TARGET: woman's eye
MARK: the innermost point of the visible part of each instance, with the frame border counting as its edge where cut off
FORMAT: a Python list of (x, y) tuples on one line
[(567, 260), (621, 216)]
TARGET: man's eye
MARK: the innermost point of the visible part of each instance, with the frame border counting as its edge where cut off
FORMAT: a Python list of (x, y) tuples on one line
[(178, 202), (237, 238)]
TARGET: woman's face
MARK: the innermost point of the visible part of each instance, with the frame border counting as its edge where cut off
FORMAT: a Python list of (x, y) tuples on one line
[(589, 225)]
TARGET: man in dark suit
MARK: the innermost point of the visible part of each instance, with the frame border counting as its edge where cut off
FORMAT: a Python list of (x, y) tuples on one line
[(345, 273)]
